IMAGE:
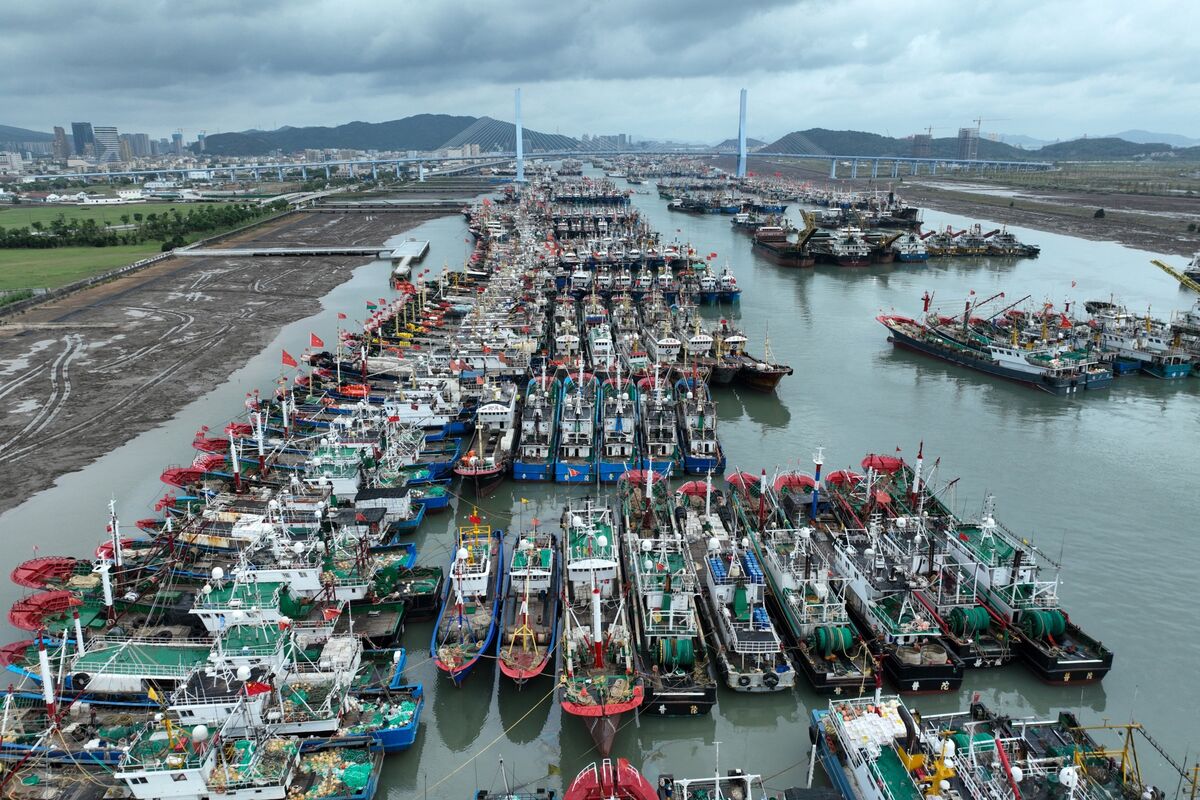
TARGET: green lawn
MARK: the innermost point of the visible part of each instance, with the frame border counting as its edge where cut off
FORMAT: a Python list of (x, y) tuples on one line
[(25, 268), (27, 213)]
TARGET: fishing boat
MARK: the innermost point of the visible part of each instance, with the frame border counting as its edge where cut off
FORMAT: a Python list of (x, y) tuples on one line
[(878, 563), (538, 442), (750, 655), (575, 461), (607, 780), (491, 450), (665, 597), (762, 374), (1023, 358), (807, 597), (1013, 583), (871, 749), (728, 348), (618, 428), (910, 248), (466, 625), (696, 414), (600, 682), (659, 424), (529, 620)]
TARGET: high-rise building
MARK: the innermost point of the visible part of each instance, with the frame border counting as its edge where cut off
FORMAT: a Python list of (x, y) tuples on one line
[(177, 143), (200, 141), (164, 147), (141, 145), (61, 150), (968, 143), (922, 145), (108, 143), (84, 136)]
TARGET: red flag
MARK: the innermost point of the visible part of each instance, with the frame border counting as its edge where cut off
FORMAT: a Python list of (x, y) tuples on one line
[(330, 614), (574, 473), (315, 341), (288, 361), (255, 688), (341, 315)]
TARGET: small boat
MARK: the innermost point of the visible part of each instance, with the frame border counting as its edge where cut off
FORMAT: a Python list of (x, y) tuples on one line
[(530, 616), (466, 626)]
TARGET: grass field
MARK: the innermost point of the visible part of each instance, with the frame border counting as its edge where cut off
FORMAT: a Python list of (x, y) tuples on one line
[(26, 214), (20, 269)]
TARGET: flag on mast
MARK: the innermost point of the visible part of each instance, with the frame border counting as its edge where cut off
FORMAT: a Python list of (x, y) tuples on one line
[(288, 361)]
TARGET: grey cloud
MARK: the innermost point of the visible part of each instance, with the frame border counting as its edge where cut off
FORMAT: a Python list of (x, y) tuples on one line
[(662, 69)]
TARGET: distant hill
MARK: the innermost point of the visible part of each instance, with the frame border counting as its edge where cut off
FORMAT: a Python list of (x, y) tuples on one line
[(1098, 149), (418, 132), (731, 144), (1147, 137), (819, 141), (1021, 140), (10, 134)]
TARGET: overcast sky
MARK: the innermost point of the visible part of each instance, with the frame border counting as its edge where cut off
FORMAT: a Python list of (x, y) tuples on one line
[(661, 69)]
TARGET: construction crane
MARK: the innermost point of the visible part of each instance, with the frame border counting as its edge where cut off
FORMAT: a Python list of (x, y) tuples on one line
[(1184, 280)]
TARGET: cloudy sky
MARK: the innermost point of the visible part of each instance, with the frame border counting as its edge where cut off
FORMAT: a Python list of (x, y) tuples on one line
[(663, 69)]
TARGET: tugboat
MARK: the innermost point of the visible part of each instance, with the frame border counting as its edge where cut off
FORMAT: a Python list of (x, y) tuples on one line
[(750, 654), (600, 681), (697, 419), (576, 459), (529, 621), (666, 619), (539, 430), (618, 428), (466, 625), (487, 462)]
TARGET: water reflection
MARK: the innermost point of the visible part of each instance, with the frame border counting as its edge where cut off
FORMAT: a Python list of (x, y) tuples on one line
[(525, 710)]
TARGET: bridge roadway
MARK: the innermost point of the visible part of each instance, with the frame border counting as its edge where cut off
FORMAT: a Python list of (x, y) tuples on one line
[(374, 165), (376, 251)]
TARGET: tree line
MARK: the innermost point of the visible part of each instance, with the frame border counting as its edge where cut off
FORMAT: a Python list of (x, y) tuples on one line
[(171, 227)]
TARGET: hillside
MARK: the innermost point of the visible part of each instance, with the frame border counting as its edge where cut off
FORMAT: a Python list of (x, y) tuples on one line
[(418, 132), (10, 134), (820, 141), (731, 144)]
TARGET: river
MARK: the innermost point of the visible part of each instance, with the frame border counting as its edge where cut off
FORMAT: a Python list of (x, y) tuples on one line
[(1104, 479)]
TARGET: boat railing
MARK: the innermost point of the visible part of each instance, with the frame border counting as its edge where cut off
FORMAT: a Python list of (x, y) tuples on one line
[(670, 622)]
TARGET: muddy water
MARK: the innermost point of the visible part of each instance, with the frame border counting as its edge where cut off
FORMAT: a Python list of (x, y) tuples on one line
[(1107, 480)]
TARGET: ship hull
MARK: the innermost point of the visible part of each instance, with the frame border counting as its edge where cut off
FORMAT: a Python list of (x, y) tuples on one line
[(906, 342), (533, 471), (702, 465), (573, 473)]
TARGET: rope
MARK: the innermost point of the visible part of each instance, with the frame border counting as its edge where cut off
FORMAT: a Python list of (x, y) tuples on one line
[(500, 736)]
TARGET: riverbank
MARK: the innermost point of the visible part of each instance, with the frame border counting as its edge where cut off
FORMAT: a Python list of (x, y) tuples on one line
[(85, 373)]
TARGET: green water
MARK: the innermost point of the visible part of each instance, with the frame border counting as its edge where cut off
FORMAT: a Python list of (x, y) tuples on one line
[(1107, 479)]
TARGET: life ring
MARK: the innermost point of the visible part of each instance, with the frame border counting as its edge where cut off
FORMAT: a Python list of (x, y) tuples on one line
[(743, 681), (771, 680)]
